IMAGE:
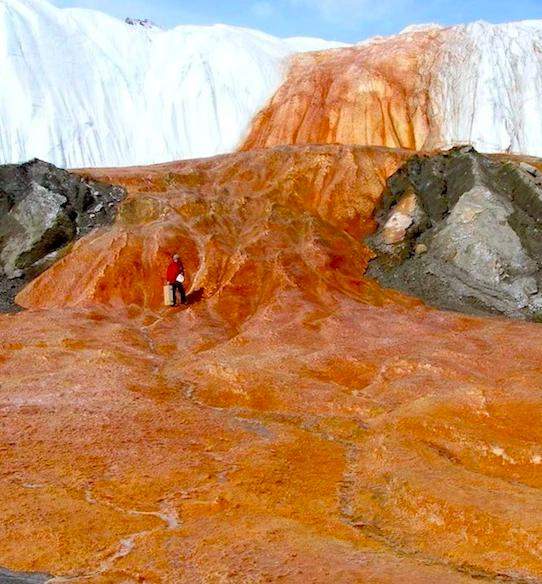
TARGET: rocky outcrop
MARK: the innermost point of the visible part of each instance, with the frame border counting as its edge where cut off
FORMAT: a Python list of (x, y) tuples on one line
[(142, 22), (44, 209), (463, 231), (9, 577)]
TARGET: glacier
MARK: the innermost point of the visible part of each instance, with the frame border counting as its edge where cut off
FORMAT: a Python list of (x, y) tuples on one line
[(81, 88)]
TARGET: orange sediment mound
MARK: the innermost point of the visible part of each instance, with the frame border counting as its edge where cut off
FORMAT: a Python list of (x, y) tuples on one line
[(247, 225), (298, 423)]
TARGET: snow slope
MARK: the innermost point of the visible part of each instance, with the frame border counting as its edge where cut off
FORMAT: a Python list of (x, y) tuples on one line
[(80, 88)]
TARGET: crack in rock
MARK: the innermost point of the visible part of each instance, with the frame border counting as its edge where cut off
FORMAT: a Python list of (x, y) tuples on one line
[(168, 515)]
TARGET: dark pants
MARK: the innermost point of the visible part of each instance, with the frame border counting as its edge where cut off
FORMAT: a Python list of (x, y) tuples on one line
[(178, 287)]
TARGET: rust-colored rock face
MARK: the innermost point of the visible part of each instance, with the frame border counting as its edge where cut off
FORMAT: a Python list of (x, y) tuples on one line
[(377, 93), (295, 423)]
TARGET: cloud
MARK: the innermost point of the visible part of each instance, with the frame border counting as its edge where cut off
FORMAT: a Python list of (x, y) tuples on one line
[(262, 9), (352, 11)]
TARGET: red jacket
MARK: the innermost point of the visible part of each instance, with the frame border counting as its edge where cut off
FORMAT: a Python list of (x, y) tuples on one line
[(174, 269)]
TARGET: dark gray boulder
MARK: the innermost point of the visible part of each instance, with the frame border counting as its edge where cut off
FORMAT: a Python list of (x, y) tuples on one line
[(463, 231), (44, 209), (9, 577)]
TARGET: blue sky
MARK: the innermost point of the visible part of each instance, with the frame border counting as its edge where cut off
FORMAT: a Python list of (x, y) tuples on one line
[(345, 20)]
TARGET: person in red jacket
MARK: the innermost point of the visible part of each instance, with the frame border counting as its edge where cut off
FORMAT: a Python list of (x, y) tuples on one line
[(175, 277)]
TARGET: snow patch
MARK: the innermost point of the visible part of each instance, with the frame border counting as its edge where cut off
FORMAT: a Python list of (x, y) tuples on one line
[(421, 28), (501, 453)]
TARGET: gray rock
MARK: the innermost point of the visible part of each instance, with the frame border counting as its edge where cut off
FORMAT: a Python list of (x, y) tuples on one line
[(43, 209), (529, 168), (144, 23), (31, 224), (480, 232), (9, 577)]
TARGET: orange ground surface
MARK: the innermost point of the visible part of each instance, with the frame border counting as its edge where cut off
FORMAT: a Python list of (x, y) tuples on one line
[(296, 423)]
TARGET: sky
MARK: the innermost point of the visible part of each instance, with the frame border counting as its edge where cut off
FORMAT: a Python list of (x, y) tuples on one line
[(342, 20)]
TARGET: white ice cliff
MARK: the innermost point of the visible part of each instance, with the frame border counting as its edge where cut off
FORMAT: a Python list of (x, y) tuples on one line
[(80, 88)]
